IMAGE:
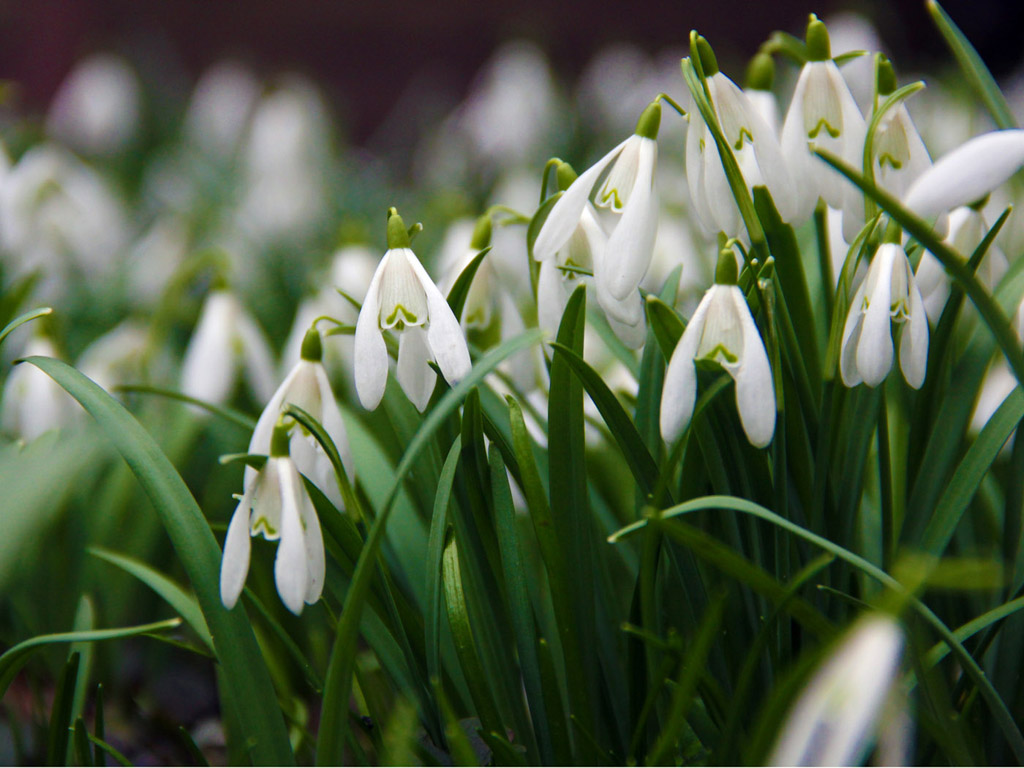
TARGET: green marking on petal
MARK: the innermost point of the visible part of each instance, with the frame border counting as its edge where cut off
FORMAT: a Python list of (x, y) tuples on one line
[(719, 353), (744, 133), (823, 123), (407, 318), (892, 162), (263, 527)]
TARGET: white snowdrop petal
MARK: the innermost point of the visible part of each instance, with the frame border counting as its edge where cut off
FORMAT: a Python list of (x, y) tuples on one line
[(914, 342), (371, 353), (565, 213), (755, 391), (874, 349), (679, 392), (235, 563), (445, 338), (333, 422), (967, 173), (291, 571), (631, 244), (413, 370)]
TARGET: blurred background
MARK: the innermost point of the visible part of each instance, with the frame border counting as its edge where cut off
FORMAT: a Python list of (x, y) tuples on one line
[(379, 61)]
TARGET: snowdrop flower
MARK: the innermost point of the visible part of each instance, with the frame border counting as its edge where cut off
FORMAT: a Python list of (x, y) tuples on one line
[(834, 720), (96, 109), (754, 145), (900, 155), (968, 173), (585, 249), (402, 297), (275, 505), (308, 388), (33, 403), (722, 330), (823, 115), (627, 189), (967, 228), (759, 81), (117, 357), (225, 337), (486, 298), (888, 293)]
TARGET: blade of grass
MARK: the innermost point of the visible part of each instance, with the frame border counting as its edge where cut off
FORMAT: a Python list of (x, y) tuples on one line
[(22, 319), (973, 67), (196, 548), (60, 714), (338, 684), (183, 603)]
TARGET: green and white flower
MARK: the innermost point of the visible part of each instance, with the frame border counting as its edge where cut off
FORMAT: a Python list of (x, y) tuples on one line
[(402, 297), (275, 505)]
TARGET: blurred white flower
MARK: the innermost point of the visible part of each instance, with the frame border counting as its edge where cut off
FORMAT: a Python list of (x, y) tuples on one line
[(509, 112), (888, 293), (96, 109), (848, 32), (968, 173), (836, 716), (33, 403), (221, 106), (402, 297), (58, 216), (967, 228), (116, 357), (226, 337), (823, 115), (308, 388), (276, 506), (722, 330), (899, 154)]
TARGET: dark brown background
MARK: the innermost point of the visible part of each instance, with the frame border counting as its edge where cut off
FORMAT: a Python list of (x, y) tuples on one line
[(365, 54)]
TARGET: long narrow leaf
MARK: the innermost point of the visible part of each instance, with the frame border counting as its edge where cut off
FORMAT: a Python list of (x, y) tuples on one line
[(244, 669)]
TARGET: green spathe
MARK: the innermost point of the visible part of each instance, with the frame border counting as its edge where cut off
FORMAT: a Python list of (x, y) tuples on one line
[(818, 46), (760, 72), (279, 440), (726, 272), (650, 121), (312, 347), (398, 235)]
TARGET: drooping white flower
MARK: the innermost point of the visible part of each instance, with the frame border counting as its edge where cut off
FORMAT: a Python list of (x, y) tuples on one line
[(968, 173), (402, 297), (307, 387), (226, 338), (275, 505), (823, 115), (888, 293), (220, 108), (96, 110), (628, 189), (117, 357), (721, 330), (899, 153), (33, 403), (758, 90), (967, 228), (754, 146), (836, 716)]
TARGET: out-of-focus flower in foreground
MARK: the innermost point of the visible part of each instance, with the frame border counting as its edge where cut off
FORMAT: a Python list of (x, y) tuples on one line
[(835, 718)]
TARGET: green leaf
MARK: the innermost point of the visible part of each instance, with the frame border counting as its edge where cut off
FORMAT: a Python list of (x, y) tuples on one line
[(22, 319), (60, 715), (182, 602), (15, 657), (520, 607), (939, 651), (338, 685), (462, 634), (244, 669), (460, 289), (973, 67), (239, 419), (996, 705), (969, 473), (665, 324), (82, 753), (435, 552), (639, 459)]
